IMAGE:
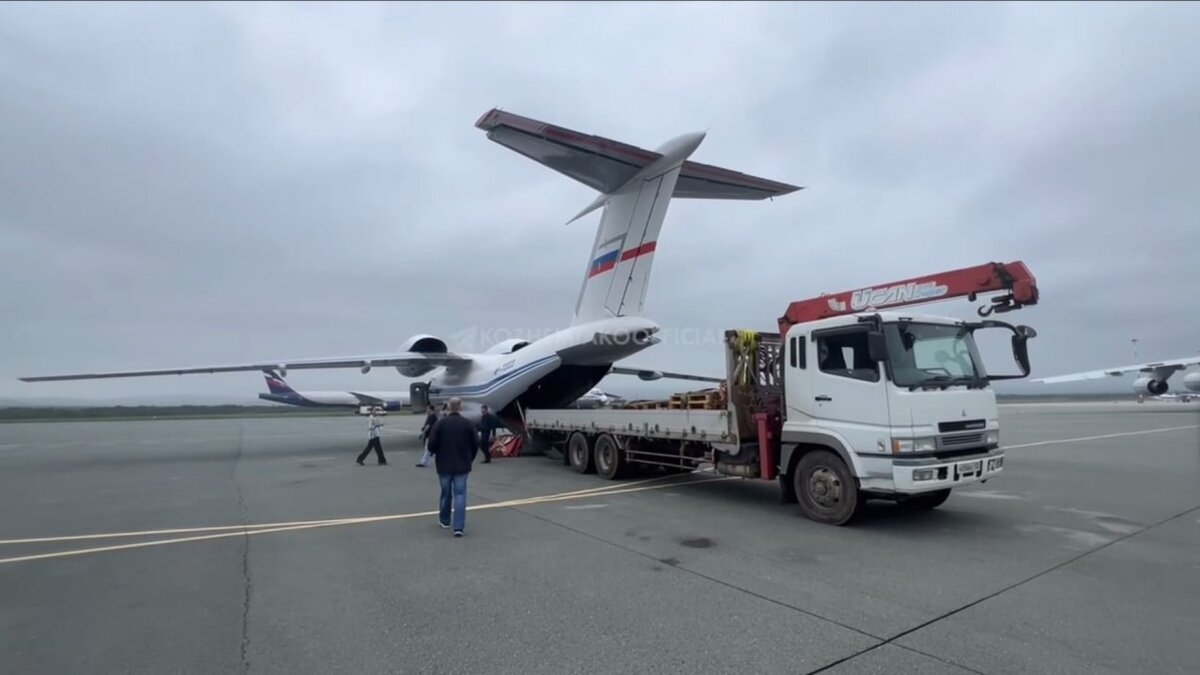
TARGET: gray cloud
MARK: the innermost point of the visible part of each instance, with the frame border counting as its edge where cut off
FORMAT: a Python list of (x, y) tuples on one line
[(185, 184)]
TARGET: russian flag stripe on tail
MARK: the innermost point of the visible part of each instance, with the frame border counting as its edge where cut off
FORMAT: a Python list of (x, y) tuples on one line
[(604, 263), (608, 261), (644, 249)]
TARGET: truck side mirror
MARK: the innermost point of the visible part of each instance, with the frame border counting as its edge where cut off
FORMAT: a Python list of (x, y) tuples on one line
[(1020, 346), (876, 346)]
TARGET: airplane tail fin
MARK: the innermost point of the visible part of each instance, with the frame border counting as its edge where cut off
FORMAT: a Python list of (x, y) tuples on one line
[(635, 186), (276, 384)]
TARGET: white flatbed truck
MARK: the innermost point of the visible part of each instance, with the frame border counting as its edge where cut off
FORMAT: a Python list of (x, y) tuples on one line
[(840, 406)]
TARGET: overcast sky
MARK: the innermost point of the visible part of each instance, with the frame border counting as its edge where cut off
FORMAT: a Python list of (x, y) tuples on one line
[(196, 184)]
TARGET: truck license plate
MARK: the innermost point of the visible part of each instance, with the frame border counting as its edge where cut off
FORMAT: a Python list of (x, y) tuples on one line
[(970, 467)]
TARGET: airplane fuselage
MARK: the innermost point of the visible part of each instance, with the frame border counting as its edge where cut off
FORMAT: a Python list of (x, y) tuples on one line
[(549, 372), (337, 399)]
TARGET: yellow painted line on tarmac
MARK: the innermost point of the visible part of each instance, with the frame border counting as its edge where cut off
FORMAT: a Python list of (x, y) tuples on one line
[(248, 526), (246, 531)]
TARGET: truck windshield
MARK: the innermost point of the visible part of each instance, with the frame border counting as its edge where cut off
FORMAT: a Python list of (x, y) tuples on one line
[(933, 355)]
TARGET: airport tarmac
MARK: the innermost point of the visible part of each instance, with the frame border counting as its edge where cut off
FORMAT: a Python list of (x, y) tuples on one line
[(1082, 557)]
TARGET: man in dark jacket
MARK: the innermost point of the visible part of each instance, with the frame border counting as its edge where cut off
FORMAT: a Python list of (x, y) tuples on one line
[(431, 418), (453, 443), (487, 431)]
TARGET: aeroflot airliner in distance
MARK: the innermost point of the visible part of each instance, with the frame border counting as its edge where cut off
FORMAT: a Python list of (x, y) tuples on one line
[(282, 392), (635, 187)]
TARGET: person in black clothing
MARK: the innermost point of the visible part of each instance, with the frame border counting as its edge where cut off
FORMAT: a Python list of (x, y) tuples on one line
[(487, 430), (431, 418), (453, 443)]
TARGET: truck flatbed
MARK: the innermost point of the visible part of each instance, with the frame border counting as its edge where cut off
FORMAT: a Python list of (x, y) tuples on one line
[(709, 426)]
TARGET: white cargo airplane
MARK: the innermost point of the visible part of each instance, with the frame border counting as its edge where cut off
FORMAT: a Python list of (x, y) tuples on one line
[(282, 392), (635, 187), (596, 398), (1153, 379)]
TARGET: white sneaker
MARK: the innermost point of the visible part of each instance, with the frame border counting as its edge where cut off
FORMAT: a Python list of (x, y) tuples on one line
[(459, 533)]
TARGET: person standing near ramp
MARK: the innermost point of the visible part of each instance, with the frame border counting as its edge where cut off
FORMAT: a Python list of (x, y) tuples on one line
[(453, 443), (431, 418), (487, 431), (373, 423)]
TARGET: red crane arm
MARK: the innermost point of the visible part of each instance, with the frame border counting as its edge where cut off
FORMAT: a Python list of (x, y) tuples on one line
[(1013, 279)]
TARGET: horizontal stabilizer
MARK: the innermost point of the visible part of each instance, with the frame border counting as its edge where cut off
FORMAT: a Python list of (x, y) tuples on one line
[(366, 399), (605, 165), (636, 187)]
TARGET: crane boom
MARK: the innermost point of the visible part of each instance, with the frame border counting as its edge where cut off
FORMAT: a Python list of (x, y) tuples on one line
[(1013, 279)]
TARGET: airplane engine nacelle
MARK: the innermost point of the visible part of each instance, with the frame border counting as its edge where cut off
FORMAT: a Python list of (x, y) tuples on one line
[(1149, 385), (1192, 382), (423, 344), (507, 346)]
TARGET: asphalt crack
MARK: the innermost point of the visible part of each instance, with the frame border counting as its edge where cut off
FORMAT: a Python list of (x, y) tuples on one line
[(246, 583), (989, 596), (882, 641)]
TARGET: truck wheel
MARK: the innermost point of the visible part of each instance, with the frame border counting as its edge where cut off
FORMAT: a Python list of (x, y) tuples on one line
[(926, 501), (579, 453), (826, 490), (610, 459)]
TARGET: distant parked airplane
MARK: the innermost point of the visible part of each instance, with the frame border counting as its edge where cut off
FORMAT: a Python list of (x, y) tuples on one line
[(282, 392), (1153, 380), (596, 398)]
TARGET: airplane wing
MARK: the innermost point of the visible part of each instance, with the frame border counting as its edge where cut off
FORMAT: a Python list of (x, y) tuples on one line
[(605, 165), (280, 366), (1157, 368), (647, 374)]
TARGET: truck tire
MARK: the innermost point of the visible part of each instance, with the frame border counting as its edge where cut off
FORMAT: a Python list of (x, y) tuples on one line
[(609, 457), (825, 489), (579, 453), (926, 501)]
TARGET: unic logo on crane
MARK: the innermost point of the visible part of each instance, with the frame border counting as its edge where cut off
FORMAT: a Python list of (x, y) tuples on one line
[(891, 295)]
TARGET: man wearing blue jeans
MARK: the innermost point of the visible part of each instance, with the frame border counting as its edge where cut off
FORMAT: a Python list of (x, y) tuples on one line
[(453, 444)]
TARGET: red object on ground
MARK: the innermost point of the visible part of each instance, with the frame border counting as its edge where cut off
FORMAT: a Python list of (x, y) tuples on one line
[(507, 446)]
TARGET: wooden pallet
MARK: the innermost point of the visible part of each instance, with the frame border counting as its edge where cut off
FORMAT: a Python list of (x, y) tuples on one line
[(646, 405), (709, 399)]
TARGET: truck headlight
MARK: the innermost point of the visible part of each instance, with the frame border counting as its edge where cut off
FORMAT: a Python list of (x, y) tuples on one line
[(992, 437), (903, 445), (922, 474)]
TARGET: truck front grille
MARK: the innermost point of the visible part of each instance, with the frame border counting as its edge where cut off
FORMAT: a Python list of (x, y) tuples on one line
[(962, 425), (961, 439)]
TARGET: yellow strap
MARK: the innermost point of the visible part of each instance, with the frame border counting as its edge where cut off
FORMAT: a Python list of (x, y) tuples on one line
[(746, 353)]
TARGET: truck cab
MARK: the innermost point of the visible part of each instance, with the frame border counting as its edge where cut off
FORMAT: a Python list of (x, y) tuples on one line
[(887, 405)]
